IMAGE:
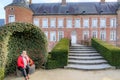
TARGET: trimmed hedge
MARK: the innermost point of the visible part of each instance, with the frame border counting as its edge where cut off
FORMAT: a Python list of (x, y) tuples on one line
[(59, 55), (16, 37), (109, 52)]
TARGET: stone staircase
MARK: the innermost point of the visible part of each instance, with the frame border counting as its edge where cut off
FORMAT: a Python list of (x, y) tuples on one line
[(85, 58)]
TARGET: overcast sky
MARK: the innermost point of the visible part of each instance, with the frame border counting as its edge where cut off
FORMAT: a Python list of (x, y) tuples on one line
[(6, 2)]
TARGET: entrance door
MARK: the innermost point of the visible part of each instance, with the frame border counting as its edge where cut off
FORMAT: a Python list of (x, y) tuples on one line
[(73, 37)]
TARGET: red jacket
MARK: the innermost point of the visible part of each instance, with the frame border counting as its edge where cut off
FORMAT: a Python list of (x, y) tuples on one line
[(20, 62)]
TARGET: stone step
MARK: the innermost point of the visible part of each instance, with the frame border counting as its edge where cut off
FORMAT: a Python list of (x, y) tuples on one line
[(87, 62), (88, 67), (85, 57), (84, 54), (81, 47), (82, 51)]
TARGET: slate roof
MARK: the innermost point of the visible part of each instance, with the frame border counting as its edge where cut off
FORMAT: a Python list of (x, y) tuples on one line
[(2, 22), (70, 8), (75, 8)]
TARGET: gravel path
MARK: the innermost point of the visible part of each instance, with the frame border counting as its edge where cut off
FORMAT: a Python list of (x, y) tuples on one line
[(71, 74)]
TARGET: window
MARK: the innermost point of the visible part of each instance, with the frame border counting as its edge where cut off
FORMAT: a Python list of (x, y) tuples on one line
[(112, 35), (94, 23), (86, 23), (11, 18), (69, 23), (36, 21), (45, 23), (53, 36), (103, 23), (94, 34), (103, 35), (46, 33), (60, 23), (52, 23), (60, 35), (113, 22), (77, 23), (85, 35)]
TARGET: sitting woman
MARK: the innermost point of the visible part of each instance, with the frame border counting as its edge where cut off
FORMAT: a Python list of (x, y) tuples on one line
[(23, 64)]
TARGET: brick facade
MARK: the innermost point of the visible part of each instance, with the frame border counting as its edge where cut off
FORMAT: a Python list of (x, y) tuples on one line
[(26, 15)]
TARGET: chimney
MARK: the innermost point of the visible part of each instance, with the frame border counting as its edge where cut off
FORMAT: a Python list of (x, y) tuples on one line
[(63, 2), (30, 1), (102, 1)]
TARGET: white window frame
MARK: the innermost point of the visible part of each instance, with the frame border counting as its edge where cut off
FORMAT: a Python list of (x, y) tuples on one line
[(36, 22), (60, 35), (53, 36), (60, 23), (113, 22), (94, 22), (113, 35), (46, 33), (45, 23), (86, 23), (94, 34), (85, 33), (77, 23), (103, 35), (11, 18), (103, 23), (69, 23), (53, 23)]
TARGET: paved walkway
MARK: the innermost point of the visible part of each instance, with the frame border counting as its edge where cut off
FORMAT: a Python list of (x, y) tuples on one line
[(70, 74)]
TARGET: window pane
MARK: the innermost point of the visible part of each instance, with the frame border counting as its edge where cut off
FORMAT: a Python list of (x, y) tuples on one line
[(11, 18), (46, 33), (94, 34), (102, 23), (36, 21), (94, 22), (113, 22), (69, 23), (113, 35), (60, 35), (53, 23), (85, 35), (77, 23), (86, 23), (45, 23), (103, 35), (60, 23), (53, 36)]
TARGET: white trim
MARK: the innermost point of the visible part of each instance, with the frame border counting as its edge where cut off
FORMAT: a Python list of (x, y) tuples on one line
[(46, 33), (60, 23), (113, 35), (95, 34), (113, 22), (85, 35), (77, 23)]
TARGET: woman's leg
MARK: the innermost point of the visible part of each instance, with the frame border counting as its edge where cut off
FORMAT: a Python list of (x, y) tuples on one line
[(27, 71), (23, 72)]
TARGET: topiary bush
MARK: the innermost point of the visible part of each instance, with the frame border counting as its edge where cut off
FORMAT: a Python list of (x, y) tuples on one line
[(59, 55), (109, 52), (16, 37)]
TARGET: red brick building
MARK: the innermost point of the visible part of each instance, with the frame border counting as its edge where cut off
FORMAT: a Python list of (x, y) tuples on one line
[(77, 21)]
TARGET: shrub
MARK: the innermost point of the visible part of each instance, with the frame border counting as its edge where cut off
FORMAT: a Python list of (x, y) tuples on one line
[(16, 37), (59, 55), (109, 52)]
